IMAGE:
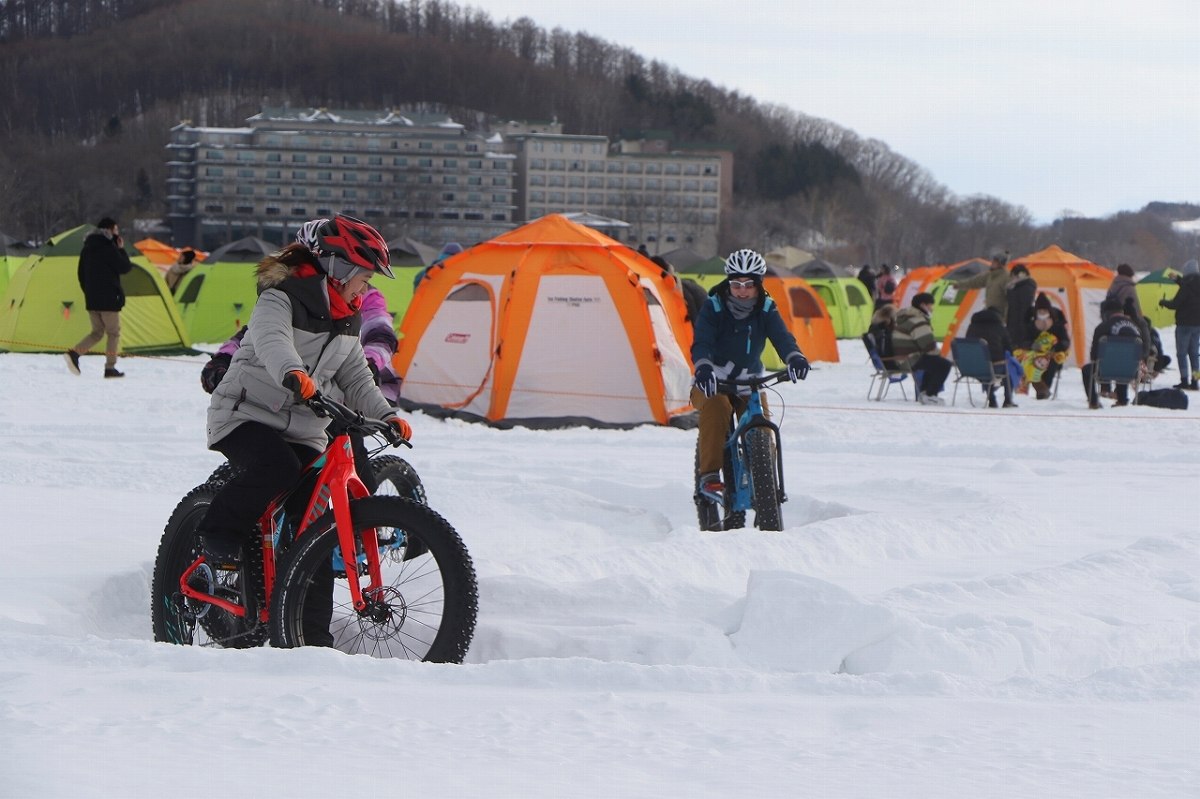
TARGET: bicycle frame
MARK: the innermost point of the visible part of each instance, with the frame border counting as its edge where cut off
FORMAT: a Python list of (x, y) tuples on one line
[(337, 483), (751, 419)]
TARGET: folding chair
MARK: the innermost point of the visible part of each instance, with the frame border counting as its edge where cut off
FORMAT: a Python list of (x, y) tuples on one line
[(1118, 361), (973, 361), (885, 376)]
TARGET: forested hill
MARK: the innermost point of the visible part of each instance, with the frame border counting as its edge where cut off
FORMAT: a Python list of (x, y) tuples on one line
[(89, 88)]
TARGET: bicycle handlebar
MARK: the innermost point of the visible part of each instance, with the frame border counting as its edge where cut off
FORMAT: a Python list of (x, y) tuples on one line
[(752, 383), (353, 421)]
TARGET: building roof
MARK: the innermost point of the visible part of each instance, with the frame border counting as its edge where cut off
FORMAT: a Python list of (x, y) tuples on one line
[(355, 117), (595, 221)]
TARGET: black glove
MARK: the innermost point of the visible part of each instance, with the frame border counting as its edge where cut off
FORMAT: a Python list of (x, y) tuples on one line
[(214, 371), (705, 380), (797, 366), (374, 370), (1163, 302)]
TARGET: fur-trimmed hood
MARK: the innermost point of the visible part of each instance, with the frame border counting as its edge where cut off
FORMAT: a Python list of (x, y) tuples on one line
[(271, 271)]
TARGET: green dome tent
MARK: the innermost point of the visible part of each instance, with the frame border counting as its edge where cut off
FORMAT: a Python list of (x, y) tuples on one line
[(945, 303), (217, 297), (1152, 288), (846, 298), (43, 308), (13, 253)]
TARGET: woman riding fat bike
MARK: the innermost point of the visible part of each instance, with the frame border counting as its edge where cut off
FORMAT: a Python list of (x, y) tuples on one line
[(302, 338), (731, 331)]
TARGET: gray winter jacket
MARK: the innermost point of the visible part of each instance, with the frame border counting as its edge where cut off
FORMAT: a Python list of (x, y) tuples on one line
[(292, 329)]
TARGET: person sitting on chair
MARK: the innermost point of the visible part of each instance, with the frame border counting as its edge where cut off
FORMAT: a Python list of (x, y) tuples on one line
[(1115, 325), (883, 325), (915, 346), (1046, 332), (988, 325)]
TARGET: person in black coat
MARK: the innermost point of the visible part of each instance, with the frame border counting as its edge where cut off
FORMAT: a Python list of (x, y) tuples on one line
[(866, 276), (102, 261), (1021, 290), (988, 326), (1115, 325), (1043, 317), (1186, 304)]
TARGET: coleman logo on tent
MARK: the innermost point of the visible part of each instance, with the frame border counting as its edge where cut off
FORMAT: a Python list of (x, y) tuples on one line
[(458, 338), (574, 302)]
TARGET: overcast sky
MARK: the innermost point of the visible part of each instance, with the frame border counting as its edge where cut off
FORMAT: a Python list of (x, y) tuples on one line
[(1084, 105)]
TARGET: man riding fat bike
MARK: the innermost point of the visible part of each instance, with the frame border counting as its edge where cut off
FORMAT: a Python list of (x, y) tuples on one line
[(730, 333)]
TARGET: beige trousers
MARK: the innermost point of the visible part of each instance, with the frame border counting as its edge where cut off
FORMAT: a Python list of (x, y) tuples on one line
[(715, 413), (103, 323)]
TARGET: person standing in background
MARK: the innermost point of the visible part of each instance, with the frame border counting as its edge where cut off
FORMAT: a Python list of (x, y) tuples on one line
[(1186, 305), (866, 276), (885, 287), (1021, 291), (102, 261)]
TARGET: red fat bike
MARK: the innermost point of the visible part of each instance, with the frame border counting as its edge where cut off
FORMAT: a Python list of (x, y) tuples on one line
[(409, 591)]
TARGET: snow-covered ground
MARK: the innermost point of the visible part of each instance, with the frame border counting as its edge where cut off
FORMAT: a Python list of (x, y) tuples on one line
[(964, 603)]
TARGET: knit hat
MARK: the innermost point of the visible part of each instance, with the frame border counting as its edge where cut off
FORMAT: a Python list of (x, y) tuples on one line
[(1191, 268), (1020, 269), (1125, 269), (1001, 258), (921, 299), (1042, 303)]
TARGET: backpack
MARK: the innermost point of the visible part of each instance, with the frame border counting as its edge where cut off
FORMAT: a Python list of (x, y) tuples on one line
[(1171, 398)]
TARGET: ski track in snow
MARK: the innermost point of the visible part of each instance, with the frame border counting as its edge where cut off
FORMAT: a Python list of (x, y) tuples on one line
[(964, 602)]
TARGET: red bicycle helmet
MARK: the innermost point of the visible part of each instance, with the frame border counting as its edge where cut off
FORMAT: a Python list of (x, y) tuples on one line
[(353, 241)]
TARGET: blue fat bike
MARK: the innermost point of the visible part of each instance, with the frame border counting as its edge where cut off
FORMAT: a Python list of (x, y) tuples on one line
[(753, 468)]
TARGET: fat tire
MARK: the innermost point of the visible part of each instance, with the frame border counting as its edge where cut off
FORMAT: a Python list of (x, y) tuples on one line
[(764, 479), (402, 476), (302, 566), (178, 549)]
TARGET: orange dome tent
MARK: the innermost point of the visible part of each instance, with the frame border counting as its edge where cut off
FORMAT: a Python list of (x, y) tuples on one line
[(805, 314), (1074, 285), (917, 281), (549, 324), (163, 255)]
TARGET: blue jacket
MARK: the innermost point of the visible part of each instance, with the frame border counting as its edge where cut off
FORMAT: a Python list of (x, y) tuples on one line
[(720, 339)]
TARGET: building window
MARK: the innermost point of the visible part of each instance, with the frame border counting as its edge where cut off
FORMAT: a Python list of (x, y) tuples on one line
[(424, 178), (324, 212), (500, 165), (449, 180), (597, 149), (653, 169), (691, 169), (634, 168), (478, 181), (399, 213), (450, 163), (576, 148), (273, 157), (670, 238), (537, 163), (374, 178), (500, 198), (557, 164), (474, 197), (347, 144), (537, 146), (324, 176), (272, 174), (272, 191), (614, 183), (214, 171), (326, 143), (616, 166), (214, 155), (448, 197), (299, 141), (633, 183), (375, 160), (399, 178), (595, 199), (372, 144), (426, 145), (472, 148), (324, 159), (299, 176), (274, 141), (299, 192), (448, 215), (689, 201), (537, 213), (273, 210), (213, 189), (245, 173), (708, 217), (399, 162), (612, 199), (671, 184), (595, 166), (575, 181), (450, 145), (534, 180), (245, 209), (671, 169), (475, 216), (710, 169), (557, 147), (534, 196), (499, 181), (245, 155), (709, 202), (576, 166), (351, 176), (556, 196), (324, 193), (474, 165), (349, 159), (214, 208), (558, 180), (691, 185), (349, 211), (245, 189), (425, 162), (374, 212), (575, 197), (710, 185), (349, 194), (499, 216)]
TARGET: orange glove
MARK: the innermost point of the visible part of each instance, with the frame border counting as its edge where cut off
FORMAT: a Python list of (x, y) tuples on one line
[(403, 427), (301, 385)]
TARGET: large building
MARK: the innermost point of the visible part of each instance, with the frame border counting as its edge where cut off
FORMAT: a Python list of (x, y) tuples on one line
[(671, 195), (422, 176)]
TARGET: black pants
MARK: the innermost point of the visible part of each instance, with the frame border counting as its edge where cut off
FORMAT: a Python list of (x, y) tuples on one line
[(1093, 395), (936, 369), (991, 388), (267, 466)]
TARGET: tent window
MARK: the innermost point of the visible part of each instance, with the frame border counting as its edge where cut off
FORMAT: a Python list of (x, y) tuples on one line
[(826, 296), (854, 296), (471, 292), (192, 292), (804, 305), (138, 283), (651, 300)]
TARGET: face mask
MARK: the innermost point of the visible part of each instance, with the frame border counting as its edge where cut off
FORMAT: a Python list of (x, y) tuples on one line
[(1043, 316)]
